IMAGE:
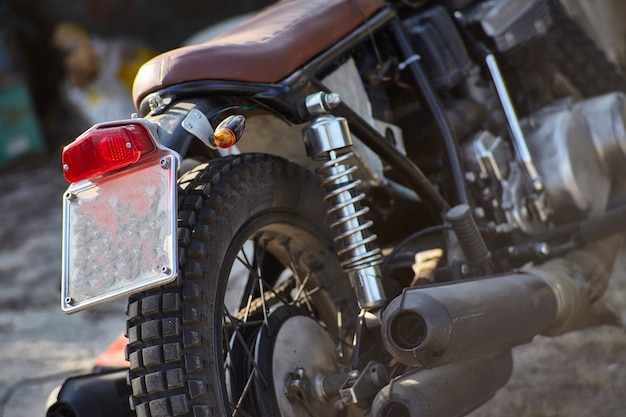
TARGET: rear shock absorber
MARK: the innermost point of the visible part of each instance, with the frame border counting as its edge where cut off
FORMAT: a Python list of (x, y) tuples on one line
[(328, 138), (347, 211)]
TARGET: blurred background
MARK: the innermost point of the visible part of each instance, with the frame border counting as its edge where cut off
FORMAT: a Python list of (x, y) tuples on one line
[(66, 64)]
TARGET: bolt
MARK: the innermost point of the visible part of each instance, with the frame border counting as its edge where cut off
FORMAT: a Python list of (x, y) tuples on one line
[(509, 38), (165, 270), (66, 167), (331, 100), (297, 385), (70, 196), (69, 301), (165, 163), (540, 26), (343, 402), (155, 102)]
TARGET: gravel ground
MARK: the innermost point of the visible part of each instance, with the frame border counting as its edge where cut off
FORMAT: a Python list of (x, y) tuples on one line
[(576, 375), (40, 345)]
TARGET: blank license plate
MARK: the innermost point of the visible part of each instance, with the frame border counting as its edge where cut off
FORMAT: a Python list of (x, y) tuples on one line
[(119, 234)]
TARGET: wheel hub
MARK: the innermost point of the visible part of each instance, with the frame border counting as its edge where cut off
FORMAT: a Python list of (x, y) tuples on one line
[(295, 353)]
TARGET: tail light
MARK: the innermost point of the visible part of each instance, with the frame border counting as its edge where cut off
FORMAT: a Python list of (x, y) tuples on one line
[(105, 149)]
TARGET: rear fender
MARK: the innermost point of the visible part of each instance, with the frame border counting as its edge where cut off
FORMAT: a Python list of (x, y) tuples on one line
[(173, 135)]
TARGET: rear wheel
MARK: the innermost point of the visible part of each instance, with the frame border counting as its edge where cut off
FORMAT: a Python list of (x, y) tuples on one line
[(253, 316)]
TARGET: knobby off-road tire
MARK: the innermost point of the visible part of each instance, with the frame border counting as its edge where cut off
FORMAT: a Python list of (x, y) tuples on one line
[(182, 336)]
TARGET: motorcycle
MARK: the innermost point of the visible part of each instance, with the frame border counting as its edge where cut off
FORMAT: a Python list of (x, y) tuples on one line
[(348, 208)]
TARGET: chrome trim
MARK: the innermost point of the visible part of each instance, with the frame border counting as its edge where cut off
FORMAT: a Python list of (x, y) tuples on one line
[(517, 136)]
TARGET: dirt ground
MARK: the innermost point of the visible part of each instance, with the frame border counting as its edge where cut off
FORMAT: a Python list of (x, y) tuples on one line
[(39, 345), (576, 375)]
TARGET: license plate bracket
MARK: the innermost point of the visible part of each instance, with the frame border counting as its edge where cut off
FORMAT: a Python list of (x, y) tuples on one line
[(119, 233)]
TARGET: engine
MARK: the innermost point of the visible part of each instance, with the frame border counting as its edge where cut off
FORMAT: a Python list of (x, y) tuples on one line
[(577, 148), (533, 154), (574, 147)]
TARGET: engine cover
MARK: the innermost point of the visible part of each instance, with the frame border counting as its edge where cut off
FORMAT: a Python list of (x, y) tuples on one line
[(606, 115), (576, 183), (568, 143), (579, 151)]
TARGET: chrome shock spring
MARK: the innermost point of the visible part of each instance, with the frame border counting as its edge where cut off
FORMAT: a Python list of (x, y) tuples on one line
[(327, 138), (353, 236)]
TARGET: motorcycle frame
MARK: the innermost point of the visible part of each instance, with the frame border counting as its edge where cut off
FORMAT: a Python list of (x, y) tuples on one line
[(286, 98)]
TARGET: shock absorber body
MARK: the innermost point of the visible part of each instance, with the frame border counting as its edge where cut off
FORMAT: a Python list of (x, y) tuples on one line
[(328, 138)]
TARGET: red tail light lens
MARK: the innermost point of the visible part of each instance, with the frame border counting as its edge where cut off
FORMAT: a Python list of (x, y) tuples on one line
[(105, 149)]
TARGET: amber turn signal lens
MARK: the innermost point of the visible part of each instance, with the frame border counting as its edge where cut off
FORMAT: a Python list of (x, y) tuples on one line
[(224, 138), (228, 132)]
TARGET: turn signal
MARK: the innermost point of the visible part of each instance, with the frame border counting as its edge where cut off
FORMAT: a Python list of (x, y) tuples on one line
[(224, 138), (229, 131), (104, 149)]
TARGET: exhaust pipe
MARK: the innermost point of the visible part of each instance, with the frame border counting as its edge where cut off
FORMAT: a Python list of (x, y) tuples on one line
[(451, 390), (442, 324)]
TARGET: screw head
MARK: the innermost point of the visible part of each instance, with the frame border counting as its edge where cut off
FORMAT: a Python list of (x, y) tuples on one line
[(165, 163)]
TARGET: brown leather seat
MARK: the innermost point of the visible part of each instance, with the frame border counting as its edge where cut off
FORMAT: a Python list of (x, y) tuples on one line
[(263, 49)]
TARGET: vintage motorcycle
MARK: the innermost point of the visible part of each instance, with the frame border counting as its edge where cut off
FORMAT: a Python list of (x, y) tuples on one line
[(348, 208)]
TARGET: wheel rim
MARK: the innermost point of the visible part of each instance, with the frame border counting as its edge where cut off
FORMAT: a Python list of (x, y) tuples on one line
[(251, 269)]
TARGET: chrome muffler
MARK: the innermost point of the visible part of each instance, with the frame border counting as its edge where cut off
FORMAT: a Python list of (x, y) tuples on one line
[(442, 324)]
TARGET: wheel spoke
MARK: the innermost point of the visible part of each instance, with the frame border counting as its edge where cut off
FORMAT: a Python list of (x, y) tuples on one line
[(302, 292), (264, 309), (241, 412), (253, 277), (249, 354), (242, 324), (300, 284), (244, 392)]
